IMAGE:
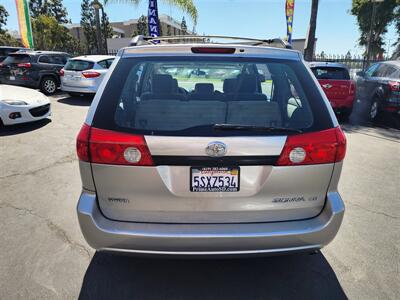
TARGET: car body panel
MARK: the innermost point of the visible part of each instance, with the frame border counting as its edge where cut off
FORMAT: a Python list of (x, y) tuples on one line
[(32, 76), (74, 81), (34, 99), (151, 209), (372, 86), (209, 239)]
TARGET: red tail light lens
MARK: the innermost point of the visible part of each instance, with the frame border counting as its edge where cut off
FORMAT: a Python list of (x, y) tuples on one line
[(24, 65), (352, 87), (90, 74), (110, 147), (82, 143), (321, 147), (213, 50), (394, 86), (61, 72)]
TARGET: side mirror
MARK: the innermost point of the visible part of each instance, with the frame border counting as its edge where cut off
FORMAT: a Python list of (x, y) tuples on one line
[(360, 73)]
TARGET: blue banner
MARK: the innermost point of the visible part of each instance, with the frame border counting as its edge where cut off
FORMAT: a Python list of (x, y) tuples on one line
[(289, 10), (152, 19)]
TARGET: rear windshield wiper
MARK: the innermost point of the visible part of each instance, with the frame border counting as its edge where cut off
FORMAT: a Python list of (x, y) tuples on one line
[(254, 128)]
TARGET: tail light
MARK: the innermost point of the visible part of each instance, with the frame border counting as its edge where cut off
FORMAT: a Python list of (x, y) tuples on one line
[(24, 65), (90, 74), (323, 147), (394, 86), (61, 72), (109, 147), (213, 50), (352, 87)]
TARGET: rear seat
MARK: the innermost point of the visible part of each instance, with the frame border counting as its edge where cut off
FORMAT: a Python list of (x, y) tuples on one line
[(258, 113), (163, 87), (177, 115)]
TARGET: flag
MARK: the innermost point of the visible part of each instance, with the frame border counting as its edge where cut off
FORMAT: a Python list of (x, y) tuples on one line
[(289, 19), (24, 21), (152, 19)]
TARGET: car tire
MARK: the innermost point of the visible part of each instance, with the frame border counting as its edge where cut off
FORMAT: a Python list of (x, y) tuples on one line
[(48, 85), (373, 111)]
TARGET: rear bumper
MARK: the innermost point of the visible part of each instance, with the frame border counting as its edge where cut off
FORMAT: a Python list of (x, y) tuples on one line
[(82, 90), (346, 103), (209, 239)]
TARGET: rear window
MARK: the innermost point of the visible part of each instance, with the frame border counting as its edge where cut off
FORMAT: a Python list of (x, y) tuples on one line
[(188, 96), (78, 65), (16, 59), (331, 73)]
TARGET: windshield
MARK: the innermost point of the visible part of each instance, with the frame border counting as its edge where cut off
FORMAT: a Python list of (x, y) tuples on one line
[(189, 96), (331, 73), (78, 65)]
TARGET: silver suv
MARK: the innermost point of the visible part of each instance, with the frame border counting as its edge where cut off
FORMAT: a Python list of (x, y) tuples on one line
[(210, 149)]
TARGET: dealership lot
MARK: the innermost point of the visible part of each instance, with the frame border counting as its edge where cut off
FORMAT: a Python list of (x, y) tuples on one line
[(44, 256)]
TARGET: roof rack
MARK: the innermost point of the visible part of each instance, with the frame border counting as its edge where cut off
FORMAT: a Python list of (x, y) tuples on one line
[(207, 39)]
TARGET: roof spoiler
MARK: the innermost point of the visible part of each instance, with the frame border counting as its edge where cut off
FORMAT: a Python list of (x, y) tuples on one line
[(207, 39)]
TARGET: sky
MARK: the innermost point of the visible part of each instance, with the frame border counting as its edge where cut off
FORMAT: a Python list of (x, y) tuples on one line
[(337, 30)]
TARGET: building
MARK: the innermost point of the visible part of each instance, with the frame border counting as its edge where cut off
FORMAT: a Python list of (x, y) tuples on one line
[(128, 29)]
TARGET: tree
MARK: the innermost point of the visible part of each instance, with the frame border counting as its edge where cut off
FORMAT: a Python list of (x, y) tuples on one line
[(88, 24), (385, 15), (183, 25), (142, 25), (186, 5), (5, 38), (50, 8), (49, 35), (3, 18), (310, 41)]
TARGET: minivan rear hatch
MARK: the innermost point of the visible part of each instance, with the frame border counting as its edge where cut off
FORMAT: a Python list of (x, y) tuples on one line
[(205, 139)]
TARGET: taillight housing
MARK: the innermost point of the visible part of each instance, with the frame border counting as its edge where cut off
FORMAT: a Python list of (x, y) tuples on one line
[(90, 74), (322, 147), (61, 72), (213, 50), (109, 147), (394, 86), (24, 65), (352, 87)]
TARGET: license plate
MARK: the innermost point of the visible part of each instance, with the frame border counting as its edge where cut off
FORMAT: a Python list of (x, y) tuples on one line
[(215, 179), (12, 77)]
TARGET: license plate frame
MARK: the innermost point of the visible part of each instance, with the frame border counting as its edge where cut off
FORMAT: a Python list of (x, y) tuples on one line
[(212, 185)]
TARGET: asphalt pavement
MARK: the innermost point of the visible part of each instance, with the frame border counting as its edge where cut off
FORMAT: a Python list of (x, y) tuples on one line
[(44, 256)]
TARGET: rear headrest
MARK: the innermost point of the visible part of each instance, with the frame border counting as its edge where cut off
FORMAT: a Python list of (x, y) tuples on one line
[(162, 84), (204, 88), (248, 83), (230, 85)]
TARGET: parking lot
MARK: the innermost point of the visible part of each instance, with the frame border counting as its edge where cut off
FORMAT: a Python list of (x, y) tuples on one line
[(44, 256)]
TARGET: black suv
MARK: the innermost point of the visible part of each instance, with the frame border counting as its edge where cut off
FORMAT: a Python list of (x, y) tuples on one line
[(379, 88), (6, 50), (35, 69)]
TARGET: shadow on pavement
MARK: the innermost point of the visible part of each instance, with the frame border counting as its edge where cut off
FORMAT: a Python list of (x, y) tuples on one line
[(76, 101), (302, 276), (23, 128)]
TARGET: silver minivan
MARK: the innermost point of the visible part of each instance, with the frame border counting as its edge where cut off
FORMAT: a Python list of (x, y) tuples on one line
[(243, 160)]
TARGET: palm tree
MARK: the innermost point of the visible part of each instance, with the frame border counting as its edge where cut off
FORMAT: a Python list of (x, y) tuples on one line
[(310, 42), (186, 5)]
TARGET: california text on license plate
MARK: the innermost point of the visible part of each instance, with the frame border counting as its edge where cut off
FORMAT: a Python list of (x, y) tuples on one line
[(214, 179)]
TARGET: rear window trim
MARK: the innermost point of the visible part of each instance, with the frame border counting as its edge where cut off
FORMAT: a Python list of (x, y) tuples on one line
[(104, 120)]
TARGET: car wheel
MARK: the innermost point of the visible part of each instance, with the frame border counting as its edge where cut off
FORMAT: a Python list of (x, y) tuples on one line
[(48, 85), (373, 110)]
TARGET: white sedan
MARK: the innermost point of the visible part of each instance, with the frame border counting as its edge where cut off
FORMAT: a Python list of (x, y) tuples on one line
[(21, 105), (82, 75)]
